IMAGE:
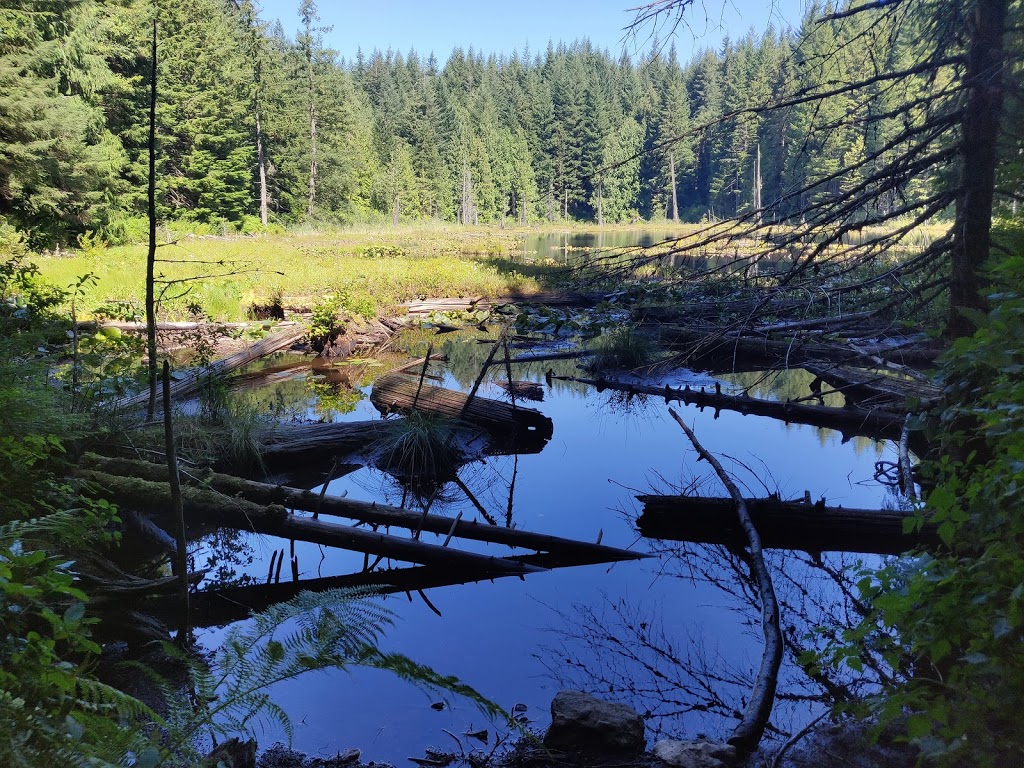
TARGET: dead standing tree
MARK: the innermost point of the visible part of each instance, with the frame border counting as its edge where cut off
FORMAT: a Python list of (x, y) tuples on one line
[(947, 100)]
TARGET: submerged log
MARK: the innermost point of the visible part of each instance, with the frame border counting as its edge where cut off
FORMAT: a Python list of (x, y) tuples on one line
[(782, 525), (850, 421), (399, 393), (209, 507), (561, 551), (194, 379)]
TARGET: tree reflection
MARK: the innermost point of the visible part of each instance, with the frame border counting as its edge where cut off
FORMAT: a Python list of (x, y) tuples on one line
[(687, 681)]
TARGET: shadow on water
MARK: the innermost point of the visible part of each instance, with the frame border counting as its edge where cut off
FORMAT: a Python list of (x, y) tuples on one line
[(674, 636)]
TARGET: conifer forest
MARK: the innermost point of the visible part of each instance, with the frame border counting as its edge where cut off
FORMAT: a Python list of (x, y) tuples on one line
[(255, 126), (718, 354)]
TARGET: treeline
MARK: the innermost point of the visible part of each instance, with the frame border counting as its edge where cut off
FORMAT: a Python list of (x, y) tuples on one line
[(256, 126)]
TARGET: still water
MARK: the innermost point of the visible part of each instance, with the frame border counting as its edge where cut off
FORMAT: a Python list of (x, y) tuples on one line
[(594, 627)]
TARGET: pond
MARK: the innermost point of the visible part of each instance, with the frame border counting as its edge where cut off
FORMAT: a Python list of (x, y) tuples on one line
[(642, 632)]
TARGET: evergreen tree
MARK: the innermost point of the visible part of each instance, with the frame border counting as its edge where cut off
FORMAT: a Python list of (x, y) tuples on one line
[(59, 164)]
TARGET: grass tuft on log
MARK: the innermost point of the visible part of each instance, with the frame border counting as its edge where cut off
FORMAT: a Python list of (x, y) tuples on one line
[(421, 448), (622, 348)]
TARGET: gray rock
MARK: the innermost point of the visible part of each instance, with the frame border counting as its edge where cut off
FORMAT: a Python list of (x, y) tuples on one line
[(695, 754), (582, 723)]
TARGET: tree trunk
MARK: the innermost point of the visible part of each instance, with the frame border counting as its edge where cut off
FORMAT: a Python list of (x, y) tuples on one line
[(180, 563), (757, 185), (600, 203), (675, 195), (151, 253), (972, 235), (312, 135), (261, 161)]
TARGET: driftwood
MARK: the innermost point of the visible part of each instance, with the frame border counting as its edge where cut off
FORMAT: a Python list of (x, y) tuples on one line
[(562, 551), (194, 379), (400, 394), (782, 525), (209, 507), (748, 732), (850, 421)]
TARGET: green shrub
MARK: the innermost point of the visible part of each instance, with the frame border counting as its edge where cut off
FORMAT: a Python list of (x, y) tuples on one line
[(951, 624)]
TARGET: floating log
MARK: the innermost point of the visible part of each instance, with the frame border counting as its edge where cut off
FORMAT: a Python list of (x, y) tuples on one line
[(561, 551), (527, 390), (850, 421), (402, 394), (540, 357), (782, 525), (209, 507), (192, 380), (319, 439)]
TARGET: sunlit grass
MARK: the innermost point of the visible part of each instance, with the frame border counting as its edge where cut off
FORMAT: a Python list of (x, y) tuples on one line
[(370, 268)]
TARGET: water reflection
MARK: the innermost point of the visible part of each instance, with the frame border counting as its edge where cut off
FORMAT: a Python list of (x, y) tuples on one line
[(682, 624)]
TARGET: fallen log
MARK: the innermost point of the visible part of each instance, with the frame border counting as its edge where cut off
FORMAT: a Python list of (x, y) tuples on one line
[(356, 335), (174, 325), (427, 306), (850, 421), (860, 384), (403, 395), (571, 551), (540, 357), (782, 525), (702, 347), (319, 439), (209, 507), (194, 379), (748, 732), (217, 607)]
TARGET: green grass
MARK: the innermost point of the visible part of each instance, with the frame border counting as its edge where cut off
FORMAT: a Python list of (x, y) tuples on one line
[(622, 348), (373, 270)]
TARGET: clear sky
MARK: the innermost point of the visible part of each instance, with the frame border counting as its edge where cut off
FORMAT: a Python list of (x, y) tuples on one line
[(500, 27)]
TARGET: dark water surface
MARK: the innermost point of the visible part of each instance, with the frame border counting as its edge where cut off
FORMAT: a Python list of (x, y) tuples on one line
[(508, 638)]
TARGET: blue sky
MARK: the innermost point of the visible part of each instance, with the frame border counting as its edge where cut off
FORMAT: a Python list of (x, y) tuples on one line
[(501, 27)]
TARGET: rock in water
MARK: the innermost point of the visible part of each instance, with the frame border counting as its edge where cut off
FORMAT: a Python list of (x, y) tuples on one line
[(695, 754), (582, 723)]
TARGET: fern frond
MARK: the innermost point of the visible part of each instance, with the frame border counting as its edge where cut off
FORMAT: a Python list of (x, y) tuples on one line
[(337, 629), (100, 697)]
